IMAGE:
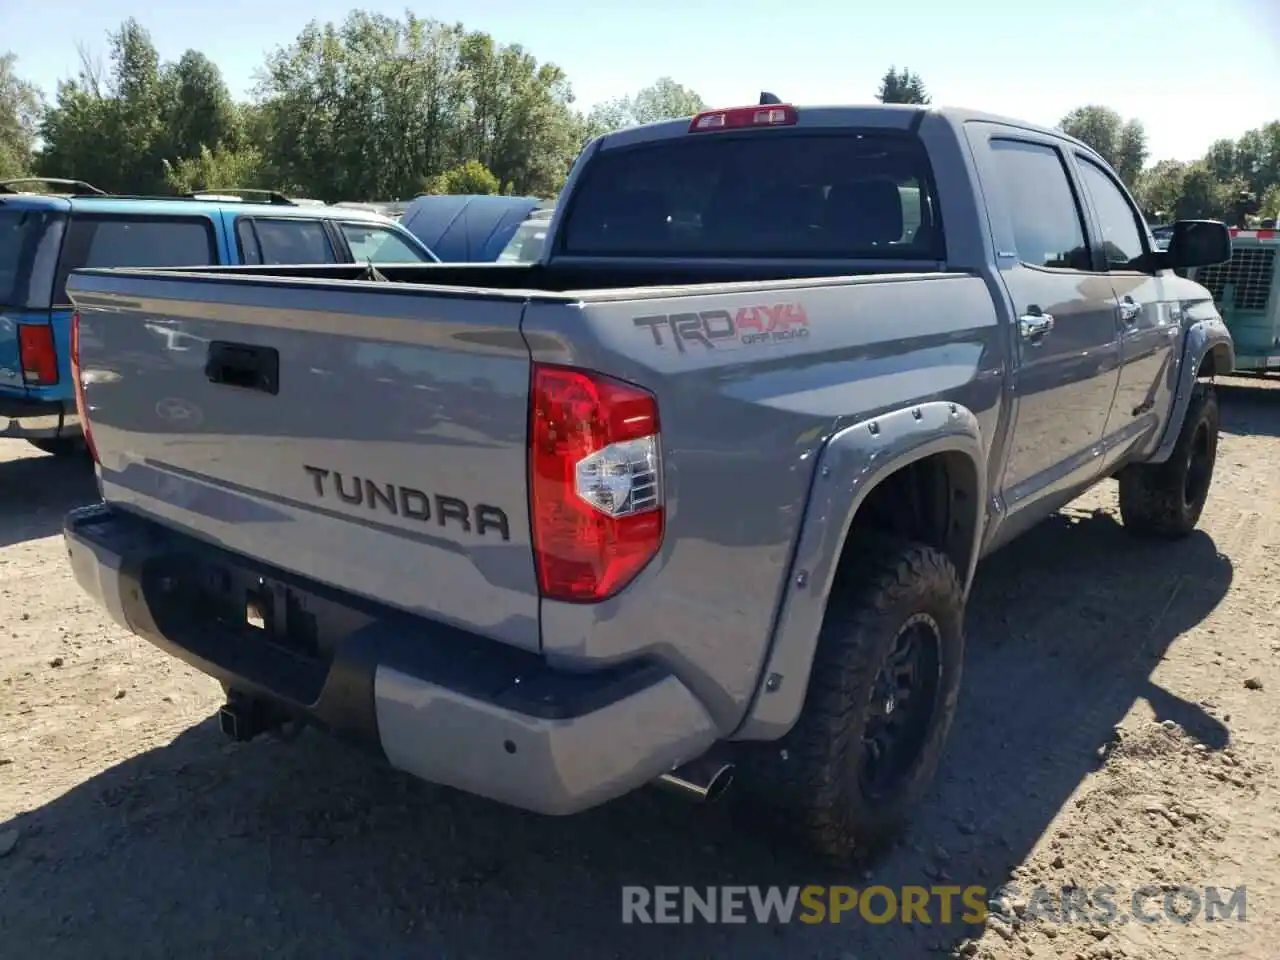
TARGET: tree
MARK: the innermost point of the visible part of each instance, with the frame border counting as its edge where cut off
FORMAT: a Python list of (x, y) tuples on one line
[(603, 118), (1269, 207), (222, 167), (197, 109), (135, 112), (110, 129), (467, 178), (902, 86), (662, 100), (376, 106), (1160, 188), (1123, 144), (1257, 157), (1203, 196), (665, 100), (20, 105), (1221, 159)]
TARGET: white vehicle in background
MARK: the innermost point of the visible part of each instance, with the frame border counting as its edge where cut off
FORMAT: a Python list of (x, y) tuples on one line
[(388, 208), (530, 237)]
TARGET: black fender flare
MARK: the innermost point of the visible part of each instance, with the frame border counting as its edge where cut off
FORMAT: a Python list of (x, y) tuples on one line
[(1205, 336), (852, 463)]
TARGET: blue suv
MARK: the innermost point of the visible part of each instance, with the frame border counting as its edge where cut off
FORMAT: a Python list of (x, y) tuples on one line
[(44, 236)]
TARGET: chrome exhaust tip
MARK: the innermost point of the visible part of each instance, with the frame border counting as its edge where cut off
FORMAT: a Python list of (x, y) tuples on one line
[(704, 780)]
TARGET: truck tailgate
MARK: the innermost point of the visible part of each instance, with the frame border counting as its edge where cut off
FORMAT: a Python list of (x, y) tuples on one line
[(369, 436)]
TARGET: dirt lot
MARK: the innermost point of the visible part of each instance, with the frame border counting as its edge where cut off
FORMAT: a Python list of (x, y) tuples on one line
[(1118, 727)]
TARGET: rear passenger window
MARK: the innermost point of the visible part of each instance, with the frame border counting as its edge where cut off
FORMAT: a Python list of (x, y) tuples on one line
[(282, 241), (1117, 220), (1042, 206), (153, 243), (111, 241)]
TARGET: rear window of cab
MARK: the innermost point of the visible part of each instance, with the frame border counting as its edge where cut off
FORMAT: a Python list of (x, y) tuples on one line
[(838, 194)]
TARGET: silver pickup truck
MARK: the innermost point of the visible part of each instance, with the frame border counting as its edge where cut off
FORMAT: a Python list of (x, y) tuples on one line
[(701, 491)]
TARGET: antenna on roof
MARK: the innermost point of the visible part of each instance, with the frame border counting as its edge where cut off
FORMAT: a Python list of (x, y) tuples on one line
[(768, 99)]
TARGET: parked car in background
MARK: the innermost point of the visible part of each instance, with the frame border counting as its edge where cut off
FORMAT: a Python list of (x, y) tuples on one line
[(1161, 235), (388, 208), (530, 238), (44, 236), (1246, 290), (471, 228)]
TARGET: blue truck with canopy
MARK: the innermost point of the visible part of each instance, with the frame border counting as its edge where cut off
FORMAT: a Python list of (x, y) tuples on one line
[(45, 235)]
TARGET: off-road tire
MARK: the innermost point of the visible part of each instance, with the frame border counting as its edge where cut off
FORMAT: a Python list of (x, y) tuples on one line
[(60, 446), (1165, 500), (809, 780)]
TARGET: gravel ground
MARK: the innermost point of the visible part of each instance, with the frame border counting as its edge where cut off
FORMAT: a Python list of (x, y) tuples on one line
[(1118, 727)]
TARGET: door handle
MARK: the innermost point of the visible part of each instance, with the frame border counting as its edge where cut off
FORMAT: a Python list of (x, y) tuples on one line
[(243, 365), (1130, 310), (1035, 326)]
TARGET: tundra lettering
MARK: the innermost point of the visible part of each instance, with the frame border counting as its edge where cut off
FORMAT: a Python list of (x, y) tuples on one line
[(719, 329), (411, 502)]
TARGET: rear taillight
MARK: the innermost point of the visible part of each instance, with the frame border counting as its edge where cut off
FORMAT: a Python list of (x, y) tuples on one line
[(81, 407), (595, 476), (735, 118), (38, 354)]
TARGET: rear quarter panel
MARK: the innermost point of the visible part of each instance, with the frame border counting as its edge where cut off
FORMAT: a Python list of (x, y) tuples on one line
[(744, 413)]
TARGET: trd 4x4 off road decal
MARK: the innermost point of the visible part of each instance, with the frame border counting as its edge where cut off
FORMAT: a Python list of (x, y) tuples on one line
[(720, 329)]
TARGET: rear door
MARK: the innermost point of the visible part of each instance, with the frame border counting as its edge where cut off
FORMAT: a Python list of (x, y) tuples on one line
[(31, 231), (1066, 343)]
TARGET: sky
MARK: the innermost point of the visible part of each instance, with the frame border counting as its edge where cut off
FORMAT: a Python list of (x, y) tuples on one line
[(1192, 72)]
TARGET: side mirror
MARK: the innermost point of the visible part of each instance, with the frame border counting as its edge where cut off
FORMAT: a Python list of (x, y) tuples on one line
[(1197, 243)]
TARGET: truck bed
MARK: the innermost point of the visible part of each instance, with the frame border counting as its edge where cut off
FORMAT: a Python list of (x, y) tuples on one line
[(638, 278)]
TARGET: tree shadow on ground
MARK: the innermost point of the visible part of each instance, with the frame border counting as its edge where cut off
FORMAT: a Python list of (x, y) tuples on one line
[(204, 849)]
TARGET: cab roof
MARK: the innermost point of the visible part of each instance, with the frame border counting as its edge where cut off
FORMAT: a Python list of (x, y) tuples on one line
[(890, 116)]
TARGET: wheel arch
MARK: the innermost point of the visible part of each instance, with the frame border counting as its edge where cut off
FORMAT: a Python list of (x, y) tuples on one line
[(1207, 351), (865, 477)]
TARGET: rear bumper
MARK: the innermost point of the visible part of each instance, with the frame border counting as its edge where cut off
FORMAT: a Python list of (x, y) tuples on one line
[(38, 419), (444, 705)]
